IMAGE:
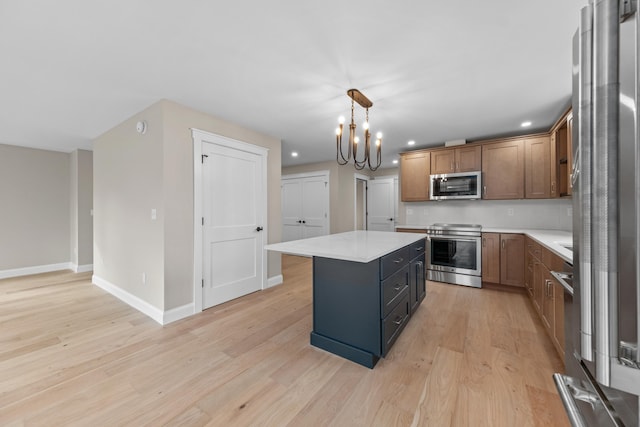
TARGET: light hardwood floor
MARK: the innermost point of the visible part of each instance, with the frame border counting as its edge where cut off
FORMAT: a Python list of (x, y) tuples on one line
[(70, 354)]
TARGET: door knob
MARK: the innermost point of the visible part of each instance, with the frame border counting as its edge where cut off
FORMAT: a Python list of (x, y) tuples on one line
[(304, 222), (259, 228)]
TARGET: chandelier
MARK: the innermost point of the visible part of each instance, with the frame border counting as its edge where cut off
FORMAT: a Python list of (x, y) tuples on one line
[(352, 149)]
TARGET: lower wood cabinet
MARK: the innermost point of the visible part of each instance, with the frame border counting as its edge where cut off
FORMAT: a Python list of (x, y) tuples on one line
[(503, 258), (547, 295)]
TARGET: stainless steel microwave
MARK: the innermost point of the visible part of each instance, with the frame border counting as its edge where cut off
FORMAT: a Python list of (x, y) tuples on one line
[(462, 185)]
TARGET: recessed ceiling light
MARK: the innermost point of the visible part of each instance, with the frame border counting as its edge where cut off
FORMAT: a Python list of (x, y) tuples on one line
[(395, 161), (525, 124), (294, 154), (412, 142)]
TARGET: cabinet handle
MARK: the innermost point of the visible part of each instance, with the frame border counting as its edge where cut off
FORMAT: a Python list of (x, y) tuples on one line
[(451, 167), (398, 261), (420, 248), (458, 165), (485, 191), (553, 187), (398, 320), (397, 287), (484, 242), (503, 244)]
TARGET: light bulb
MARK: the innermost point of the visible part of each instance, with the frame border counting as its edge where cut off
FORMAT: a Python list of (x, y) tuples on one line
[(356, 139), (338, 131), (341, 120), (365, 125), (379, 135)]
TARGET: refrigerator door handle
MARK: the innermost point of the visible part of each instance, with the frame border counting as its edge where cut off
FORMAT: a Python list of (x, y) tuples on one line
[(566, 393)]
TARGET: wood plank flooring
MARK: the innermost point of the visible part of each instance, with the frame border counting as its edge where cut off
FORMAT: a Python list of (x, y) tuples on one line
[(70, 354)]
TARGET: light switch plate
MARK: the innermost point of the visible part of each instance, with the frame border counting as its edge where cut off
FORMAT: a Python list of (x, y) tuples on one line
[(154, 214)]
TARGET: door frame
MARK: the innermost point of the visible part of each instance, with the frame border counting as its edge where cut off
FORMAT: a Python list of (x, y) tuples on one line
[(199, 137), (356, 177)]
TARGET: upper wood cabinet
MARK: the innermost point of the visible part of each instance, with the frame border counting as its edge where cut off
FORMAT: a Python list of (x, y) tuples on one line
[(538, 179), (503, 170), (459, 159), (414, 176)]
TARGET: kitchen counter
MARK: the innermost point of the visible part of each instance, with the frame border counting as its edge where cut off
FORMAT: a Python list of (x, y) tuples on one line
[(551, 239), (357, 246)]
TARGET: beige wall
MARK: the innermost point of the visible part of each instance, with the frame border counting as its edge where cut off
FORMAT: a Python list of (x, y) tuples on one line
[(135, 173), (128, 183), (34, 210)]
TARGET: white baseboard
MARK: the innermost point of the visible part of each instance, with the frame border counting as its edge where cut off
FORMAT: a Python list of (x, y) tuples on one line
[(130, 299), (82, 268), (178, 313), (274, 281), (162, 317), (16, 272)]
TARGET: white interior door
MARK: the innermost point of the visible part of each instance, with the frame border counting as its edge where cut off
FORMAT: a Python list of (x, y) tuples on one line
[(291, 209), (381, 201), (305, 205), (315, 196), (234, 217)]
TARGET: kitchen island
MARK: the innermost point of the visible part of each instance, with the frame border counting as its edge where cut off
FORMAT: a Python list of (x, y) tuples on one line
[(366, 285)]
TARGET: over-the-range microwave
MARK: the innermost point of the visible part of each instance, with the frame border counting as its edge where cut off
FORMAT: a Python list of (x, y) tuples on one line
[(461, 185)]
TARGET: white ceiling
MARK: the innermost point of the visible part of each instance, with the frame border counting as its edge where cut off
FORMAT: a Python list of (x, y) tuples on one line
[(435, 70)]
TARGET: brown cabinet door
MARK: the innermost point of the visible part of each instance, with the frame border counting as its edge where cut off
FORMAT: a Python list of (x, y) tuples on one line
[(491, 257), (558, 316), (537, 168), (512, 259), (503, 170), (468, 159), (547, 302), (443, 161), (528, 273), (414, 177), (538, 286)]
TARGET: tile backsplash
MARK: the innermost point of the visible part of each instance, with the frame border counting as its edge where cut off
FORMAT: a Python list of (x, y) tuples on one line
[(551, 214)]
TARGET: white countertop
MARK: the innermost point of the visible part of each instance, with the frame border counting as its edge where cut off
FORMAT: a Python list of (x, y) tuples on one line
[(359, 246), (551, 239)]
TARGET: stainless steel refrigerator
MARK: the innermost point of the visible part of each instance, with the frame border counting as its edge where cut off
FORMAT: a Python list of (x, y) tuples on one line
[(602, 381)]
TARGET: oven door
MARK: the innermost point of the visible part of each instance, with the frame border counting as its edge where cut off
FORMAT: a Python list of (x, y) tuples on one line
[(454, 254)]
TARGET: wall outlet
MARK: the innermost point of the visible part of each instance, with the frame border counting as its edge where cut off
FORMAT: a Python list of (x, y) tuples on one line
[(569, 211), (409, 211), (144, 278), (510, 211), (154, 214)]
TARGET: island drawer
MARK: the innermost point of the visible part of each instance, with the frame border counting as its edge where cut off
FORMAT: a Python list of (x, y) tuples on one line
[(394, 323), (394, 261), (417, 248), (393, 289)]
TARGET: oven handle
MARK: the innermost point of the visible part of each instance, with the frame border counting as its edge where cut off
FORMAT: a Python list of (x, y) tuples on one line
[(454, 237)]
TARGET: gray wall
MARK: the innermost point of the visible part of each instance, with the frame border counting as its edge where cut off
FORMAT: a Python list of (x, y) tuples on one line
[(35, 207), (81, 198), (134, 173)]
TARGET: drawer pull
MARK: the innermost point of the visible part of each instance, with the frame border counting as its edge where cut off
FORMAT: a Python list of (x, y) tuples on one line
[(397, 287), (398, 261), (420, 248), (398, 320)]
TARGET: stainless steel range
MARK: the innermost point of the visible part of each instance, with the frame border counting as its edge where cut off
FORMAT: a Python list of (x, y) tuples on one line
[(454, 254)]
